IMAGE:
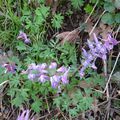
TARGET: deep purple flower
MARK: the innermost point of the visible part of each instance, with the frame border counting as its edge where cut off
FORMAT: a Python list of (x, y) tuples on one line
[(10, 67)]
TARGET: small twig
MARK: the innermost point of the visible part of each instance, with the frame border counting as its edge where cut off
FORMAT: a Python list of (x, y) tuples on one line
[(3, 83), (62, 114), (97, 22), (47, 104), (92, 11), (111, 72), (117, 31)]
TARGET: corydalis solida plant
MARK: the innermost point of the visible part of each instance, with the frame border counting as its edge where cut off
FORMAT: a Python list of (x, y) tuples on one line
[(43, 72), (96, 49)]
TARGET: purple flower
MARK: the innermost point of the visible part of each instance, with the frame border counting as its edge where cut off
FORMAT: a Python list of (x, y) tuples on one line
[(53, 65), (31, 76), (64, 77), (97, 49), (32, 66), (54, 81), (62, 69), (110, 42), (27, 41), (10, 67), (23, 36), (43, 72), (43, 78), (81, 72), (24, 115), (93, 66)]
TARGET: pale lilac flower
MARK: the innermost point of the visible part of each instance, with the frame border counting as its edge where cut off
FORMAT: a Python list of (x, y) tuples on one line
[(53, 65), (64, 77), (24, 115), (43, 72), (27, 41), (55, 81), (31, 76), (43, 78), (110, 42), (81, 72), (62, 69), (23, 36)]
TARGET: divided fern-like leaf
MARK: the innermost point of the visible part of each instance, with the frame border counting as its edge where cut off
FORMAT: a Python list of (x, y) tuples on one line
[(77, 3)]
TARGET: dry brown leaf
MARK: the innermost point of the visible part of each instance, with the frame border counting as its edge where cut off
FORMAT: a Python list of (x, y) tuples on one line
[(105, 30), (84, 84), (49, 2), (69, 36), (101, 29), (89, 27), (53, 4)]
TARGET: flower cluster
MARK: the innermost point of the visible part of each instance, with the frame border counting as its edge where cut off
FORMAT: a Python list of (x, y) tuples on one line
[(24, 115), (10, 67), (43, 72), (24, 37), (96, 49)]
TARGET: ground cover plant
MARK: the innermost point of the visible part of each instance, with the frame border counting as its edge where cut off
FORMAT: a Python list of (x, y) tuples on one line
[(59, 60)]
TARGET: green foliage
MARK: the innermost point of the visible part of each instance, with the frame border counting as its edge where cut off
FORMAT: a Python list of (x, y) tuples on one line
[(57, 21), (109, 6), (107, 18), (42, 13), (77, 3), (38, 23), (36, 105), (74, 100), (75, 104), (111, 16), (88, 8), (117, 18)]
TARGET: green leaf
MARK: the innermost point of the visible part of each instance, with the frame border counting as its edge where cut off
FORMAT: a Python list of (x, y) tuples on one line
[(42, 13), (77, 3), (21, 46), (17, 101), (117, 17), (88, 8), (73, 112), (36, 106), (117, 4), (57, 21), (107, 18), (109, 6)]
